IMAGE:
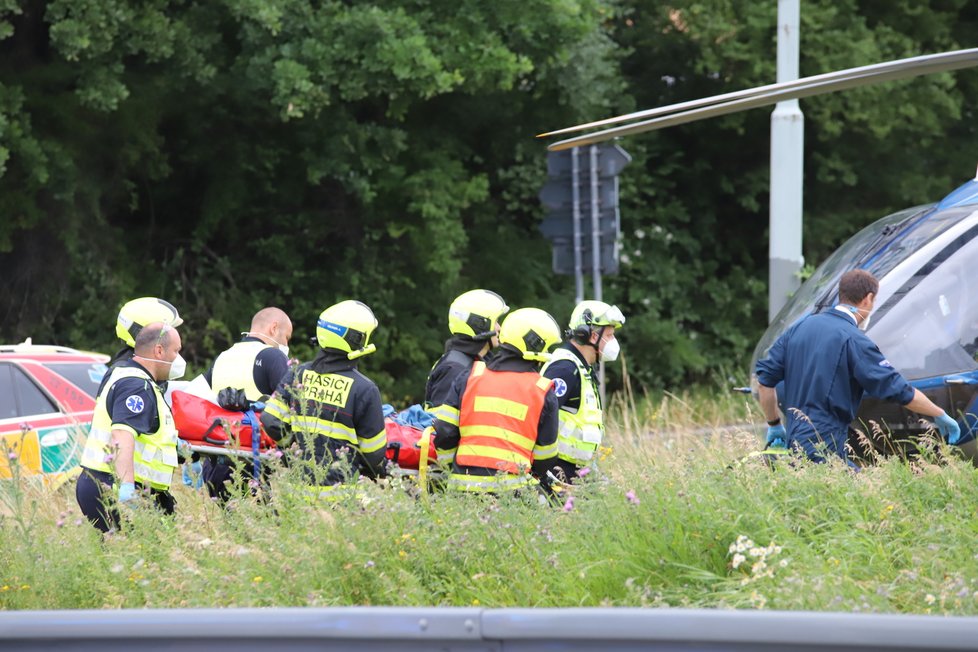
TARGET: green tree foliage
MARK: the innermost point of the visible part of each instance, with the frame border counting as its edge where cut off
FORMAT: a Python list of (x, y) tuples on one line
[(233, 154)]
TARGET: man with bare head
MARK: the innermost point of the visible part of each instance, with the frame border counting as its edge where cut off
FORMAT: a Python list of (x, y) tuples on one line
[(132, 446), (247, 372), (259, 360)]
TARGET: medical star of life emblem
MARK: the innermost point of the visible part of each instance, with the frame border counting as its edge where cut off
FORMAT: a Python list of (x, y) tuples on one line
[(135, 404), (560, 387)]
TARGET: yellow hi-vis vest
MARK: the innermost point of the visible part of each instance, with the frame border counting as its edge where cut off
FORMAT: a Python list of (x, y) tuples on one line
[(155, 454), (235, 368), (581, 430)]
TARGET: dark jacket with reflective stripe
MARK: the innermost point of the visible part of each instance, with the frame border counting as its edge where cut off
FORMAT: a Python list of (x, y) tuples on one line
[(334, 412), (460, 354)]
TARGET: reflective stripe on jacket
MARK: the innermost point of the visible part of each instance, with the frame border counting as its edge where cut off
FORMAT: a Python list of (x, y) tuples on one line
[(490, 483), (440, 380), (155, 454), (235, 368), (581, 430), (334, 413), (498, 420)]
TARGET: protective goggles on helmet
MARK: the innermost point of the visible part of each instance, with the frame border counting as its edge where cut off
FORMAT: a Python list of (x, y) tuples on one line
[(610, 317)]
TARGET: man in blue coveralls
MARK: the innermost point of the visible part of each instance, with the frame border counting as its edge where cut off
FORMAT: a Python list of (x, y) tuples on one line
[(827, 364)]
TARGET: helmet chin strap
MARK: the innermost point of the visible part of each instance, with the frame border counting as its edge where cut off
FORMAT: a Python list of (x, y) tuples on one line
[(597, 344)]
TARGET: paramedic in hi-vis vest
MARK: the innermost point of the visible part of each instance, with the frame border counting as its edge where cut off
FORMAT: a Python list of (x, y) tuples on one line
[(133, 317), (132, 446), (255, 366), (259, 361), (333, 411), (502, 414), (590, 338), (473, 320)]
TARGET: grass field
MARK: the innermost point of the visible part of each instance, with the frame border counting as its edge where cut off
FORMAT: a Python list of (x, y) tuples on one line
[(674, 517)]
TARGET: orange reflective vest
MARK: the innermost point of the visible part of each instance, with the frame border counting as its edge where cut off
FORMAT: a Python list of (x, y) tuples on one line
[(499, 417)]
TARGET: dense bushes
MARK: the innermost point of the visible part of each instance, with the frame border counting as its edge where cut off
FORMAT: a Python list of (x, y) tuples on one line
[(231, 154)]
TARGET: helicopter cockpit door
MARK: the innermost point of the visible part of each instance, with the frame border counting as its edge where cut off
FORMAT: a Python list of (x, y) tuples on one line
[(929, 329)]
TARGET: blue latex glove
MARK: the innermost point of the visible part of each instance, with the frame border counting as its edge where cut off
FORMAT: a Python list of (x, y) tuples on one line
[(193, 474), (127, 491), (776, 436), (948, 428)]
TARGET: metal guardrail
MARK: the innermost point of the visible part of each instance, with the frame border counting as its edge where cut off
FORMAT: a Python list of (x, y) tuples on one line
[(369, 629)]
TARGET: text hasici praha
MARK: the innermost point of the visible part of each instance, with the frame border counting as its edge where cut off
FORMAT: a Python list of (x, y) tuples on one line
[(326, 388)]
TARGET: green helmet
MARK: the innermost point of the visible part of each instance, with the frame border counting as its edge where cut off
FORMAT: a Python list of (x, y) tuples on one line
[(136, 314), (532, 331), (590, 314), (475, 314), (347, 327)]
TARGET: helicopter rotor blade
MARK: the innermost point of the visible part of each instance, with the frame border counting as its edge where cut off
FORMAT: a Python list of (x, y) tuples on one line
[(726, 103)]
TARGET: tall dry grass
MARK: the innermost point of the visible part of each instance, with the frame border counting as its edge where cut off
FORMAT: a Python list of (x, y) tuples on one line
[(678, 513)]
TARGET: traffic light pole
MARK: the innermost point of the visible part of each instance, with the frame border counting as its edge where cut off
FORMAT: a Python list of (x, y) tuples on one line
[(595, 225), (596, 249), (576, 216), (567, 195)]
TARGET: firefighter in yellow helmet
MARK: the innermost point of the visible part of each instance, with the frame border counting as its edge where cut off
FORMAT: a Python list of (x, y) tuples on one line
[(332, 410), (132, 445), (473, 320), (132, 318), (502, 414), (590, 337)]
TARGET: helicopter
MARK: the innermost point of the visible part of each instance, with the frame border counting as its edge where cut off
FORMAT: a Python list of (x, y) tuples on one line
[(926, 317), (925, 321)]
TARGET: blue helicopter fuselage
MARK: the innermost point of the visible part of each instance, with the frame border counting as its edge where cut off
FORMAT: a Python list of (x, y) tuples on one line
[(926, 313)]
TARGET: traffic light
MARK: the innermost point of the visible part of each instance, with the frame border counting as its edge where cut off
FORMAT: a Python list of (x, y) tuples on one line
[(597, 168)]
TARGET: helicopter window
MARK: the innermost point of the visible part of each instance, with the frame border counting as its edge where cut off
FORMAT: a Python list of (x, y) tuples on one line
[(822, 284), (933, 329), (896, 252)]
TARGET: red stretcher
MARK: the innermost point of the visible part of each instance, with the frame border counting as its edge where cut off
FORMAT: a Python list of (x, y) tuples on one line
[(404, 445), (208, 428)]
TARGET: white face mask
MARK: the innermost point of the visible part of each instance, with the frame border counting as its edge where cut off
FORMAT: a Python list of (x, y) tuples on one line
[(611, 350), (857, 312), (284, 348), (178, 366)]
